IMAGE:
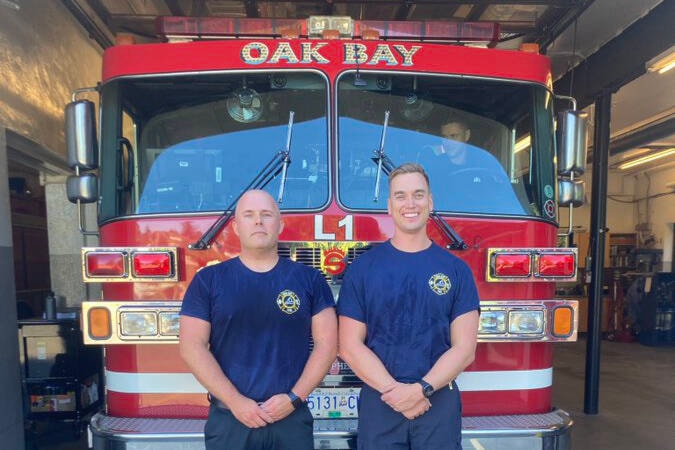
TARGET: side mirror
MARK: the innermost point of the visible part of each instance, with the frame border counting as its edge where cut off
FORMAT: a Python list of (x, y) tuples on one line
[(570, 193), (82, 188), (572, 147), (81, 135)]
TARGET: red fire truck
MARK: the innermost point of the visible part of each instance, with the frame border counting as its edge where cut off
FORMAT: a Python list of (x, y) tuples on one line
[(317, 112)]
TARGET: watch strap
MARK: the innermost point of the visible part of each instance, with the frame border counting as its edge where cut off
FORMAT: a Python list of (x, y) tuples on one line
[(427, 389), (295, 400)]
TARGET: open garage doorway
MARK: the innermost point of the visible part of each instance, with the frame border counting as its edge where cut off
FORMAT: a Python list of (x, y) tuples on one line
[(29, 164)]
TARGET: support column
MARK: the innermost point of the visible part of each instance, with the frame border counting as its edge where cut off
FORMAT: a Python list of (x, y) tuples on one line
[(598, 232), (66, 242), (11, 413)]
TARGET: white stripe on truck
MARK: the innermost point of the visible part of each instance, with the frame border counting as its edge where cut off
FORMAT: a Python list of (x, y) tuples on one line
[(185, 383)]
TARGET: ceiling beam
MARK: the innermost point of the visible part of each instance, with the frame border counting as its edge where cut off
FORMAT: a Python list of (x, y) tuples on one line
[(251, 7), (476, 12), (643, 136), (623, 58), (100, 9), (132, 21), (34, 155), (94, 24), (175, 8), (556, 20)]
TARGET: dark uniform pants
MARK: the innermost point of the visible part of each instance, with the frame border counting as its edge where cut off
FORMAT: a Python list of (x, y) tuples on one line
[(440, 428), (224, 432)]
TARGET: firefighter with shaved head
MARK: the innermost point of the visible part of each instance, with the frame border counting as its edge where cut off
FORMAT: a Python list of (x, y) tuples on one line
[(245, 332)]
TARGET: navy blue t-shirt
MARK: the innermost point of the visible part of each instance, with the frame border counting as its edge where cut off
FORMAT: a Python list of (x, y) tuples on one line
[(260, 322), (407, 301)]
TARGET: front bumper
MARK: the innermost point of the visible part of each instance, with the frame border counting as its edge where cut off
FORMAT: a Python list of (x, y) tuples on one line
[(550, 431)]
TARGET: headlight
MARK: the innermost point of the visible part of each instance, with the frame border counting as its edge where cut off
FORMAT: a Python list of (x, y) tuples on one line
[(138, 323), (169, 323), (526, 322), (492, 322)]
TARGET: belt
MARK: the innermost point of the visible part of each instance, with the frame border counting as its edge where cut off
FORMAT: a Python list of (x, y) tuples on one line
[(218, 404)]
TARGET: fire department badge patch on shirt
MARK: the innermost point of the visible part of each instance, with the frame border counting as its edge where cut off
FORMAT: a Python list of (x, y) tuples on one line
[(439, 283), (288, 301)]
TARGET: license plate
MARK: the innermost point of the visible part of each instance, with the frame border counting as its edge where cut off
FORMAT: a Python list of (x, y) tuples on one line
[(334, 403)]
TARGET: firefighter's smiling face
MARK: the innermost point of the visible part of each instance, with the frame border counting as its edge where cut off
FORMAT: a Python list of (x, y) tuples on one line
[(257, 221), (410, 202)]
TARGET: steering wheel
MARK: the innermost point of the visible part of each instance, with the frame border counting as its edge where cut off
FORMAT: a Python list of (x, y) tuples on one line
[(491, 175)]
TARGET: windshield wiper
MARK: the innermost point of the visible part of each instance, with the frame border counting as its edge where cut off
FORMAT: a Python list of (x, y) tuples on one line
[(386, 166), (286, 158), (279, 163), (456, 242), (383, 162)]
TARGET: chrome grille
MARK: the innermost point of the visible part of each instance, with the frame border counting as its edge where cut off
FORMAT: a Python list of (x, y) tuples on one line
[(309, 257), (310, 254), (284, 252)]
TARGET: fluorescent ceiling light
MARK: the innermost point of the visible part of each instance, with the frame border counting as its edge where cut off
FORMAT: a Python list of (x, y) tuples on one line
[(647, 158), (663, 62)]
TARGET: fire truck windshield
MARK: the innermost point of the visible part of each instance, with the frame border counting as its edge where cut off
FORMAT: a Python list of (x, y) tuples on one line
[(487, 145), (199, 140)]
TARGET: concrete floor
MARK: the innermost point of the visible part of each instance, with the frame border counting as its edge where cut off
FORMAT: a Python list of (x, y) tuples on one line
[(637, 396), (636, 410), (55, 436)]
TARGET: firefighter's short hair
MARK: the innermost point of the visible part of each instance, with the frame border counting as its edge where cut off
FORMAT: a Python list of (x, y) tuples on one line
[(409, 168)]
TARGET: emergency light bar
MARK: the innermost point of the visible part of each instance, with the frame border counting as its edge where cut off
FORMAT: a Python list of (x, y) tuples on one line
[(531, 264), (129, 264), (189, 28), (431, 30)]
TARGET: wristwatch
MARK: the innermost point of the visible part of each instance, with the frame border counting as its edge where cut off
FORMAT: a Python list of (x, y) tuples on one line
[(427, 389), (295, 400)]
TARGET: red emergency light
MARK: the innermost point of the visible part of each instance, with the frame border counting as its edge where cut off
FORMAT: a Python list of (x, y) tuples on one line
[(152, 264), (124, 264), (511, 265), (316, 26), (556, 265), (105, 264), (531, 264)]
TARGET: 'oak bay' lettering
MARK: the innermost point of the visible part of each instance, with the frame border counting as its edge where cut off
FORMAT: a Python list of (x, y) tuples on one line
[(310, 52)]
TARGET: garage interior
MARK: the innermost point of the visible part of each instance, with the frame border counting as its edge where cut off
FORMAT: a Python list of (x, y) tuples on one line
[(613, 56)]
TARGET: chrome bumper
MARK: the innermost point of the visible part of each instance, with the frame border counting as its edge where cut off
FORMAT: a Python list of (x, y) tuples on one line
[(549, 431)]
